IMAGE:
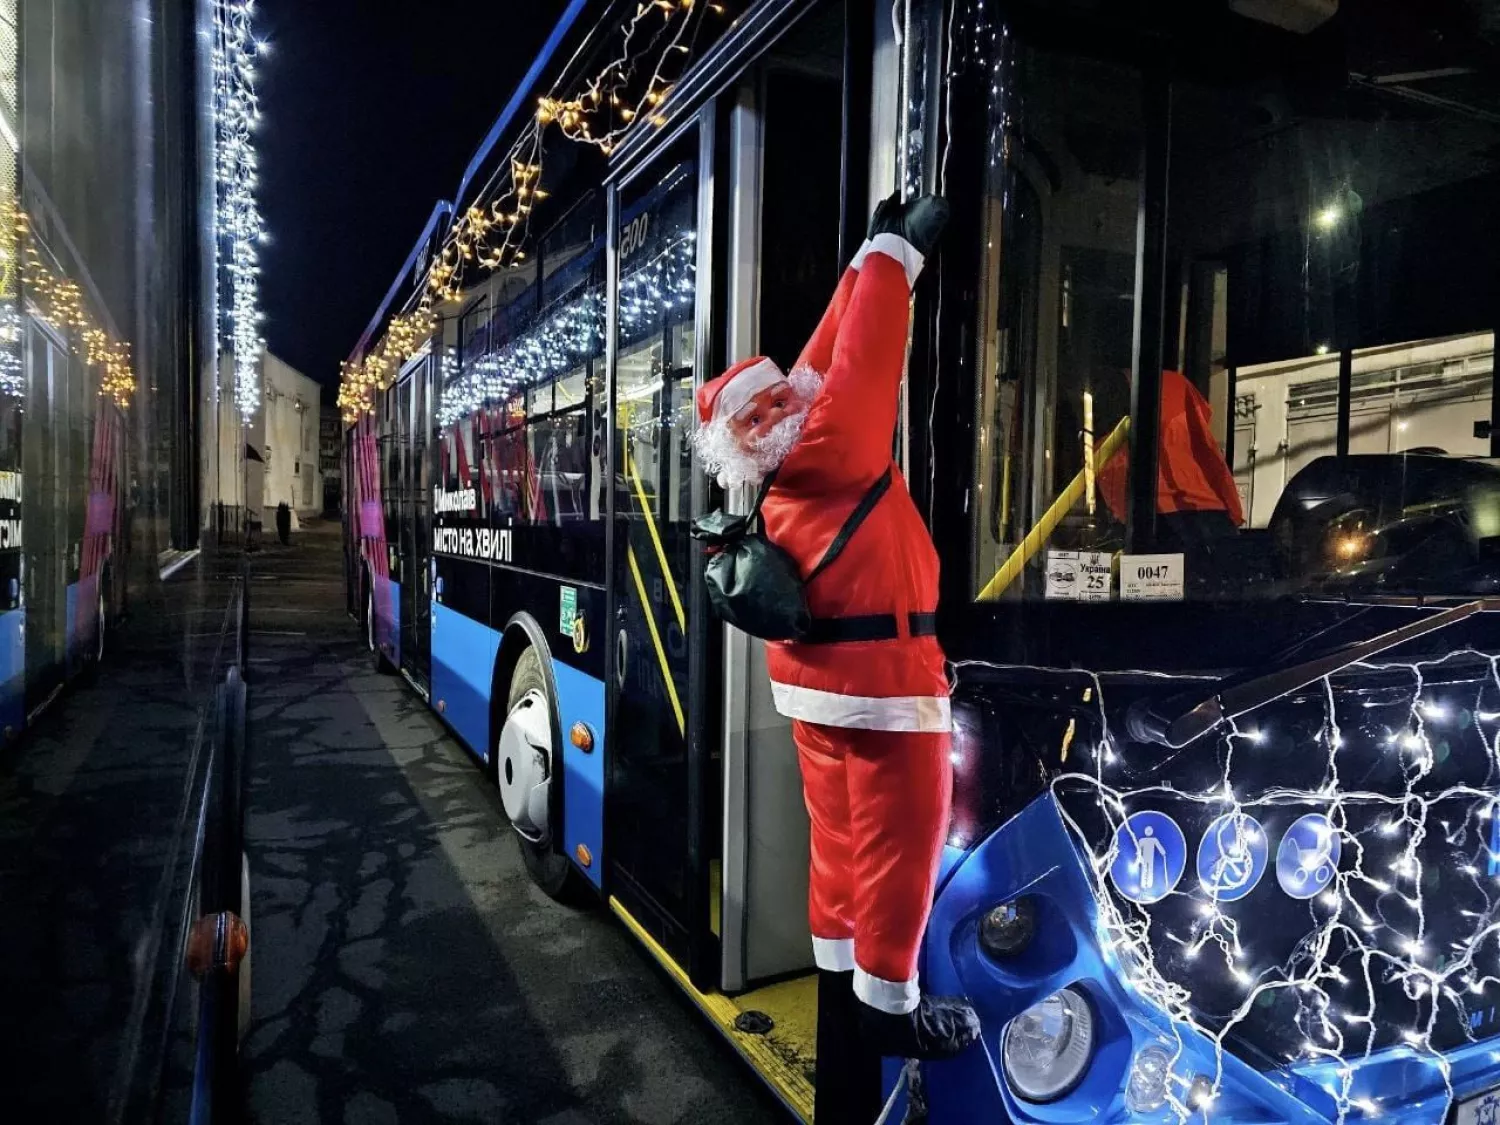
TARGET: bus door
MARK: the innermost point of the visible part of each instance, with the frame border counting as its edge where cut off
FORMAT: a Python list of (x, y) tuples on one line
[(791, 183), (44, 508), (349, 511), (656, 817), (414, 401)]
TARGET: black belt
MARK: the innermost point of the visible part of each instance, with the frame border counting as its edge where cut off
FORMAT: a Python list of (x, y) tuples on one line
[(867, 627)]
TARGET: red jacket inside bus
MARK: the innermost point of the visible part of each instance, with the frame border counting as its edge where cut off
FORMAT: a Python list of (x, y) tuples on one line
[(1191, 474)]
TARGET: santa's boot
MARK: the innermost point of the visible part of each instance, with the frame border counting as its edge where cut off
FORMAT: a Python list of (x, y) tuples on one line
[(939, 1027)]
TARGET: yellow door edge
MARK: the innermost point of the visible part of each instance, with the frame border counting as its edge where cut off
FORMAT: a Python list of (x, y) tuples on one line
[(791, 1086)]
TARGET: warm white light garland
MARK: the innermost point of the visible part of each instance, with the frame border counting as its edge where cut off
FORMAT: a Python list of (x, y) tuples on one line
[(657, 43), (239, 226)]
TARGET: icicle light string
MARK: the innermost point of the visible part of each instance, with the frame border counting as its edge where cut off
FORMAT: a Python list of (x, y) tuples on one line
[(657, 42), (1369, 923), (239, 226), (567, 338)]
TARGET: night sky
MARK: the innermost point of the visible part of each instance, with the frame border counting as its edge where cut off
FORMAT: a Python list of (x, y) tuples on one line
[(372, 112)]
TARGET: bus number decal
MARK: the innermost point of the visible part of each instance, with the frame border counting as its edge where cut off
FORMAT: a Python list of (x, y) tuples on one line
[(633, 237), (1146, 578)]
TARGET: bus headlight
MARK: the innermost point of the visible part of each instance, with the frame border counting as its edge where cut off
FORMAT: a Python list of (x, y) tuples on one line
[(1007, 929), (1049, 1046), (1146, 1091)]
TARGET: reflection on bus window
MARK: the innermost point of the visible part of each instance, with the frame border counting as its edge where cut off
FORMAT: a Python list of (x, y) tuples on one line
[(1328, 330), (520, 415), (1320, 223), (1057, 308), (1423, 396), (658, 260)]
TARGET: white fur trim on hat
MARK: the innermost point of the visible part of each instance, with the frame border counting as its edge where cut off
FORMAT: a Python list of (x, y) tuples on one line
[(738, 392), (893, 246)]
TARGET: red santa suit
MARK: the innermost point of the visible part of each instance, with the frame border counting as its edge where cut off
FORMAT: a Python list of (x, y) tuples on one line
[(868, 694)]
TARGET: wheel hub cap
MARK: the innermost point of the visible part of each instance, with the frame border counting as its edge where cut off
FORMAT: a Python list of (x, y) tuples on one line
[(524, 765)]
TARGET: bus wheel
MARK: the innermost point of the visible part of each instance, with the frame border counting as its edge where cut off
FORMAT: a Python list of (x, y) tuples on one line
[(524, 769), (245, 982), (378, 658), (93, 656), (101, 622)]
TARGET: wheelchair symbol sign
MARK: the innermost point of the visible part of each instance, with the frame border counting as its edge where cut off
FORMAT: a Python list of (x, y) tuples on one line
[(1308, 857), (1232, 857), (1150, 856)]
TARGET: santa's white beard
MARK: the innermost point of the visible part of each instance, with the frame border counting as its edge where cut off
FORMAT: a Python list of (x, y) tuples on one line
[(732, 463)]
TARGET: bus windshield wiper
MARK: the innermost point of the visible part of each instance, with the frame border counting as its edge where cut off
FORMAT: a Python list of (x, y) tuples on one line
[(1232, 698)]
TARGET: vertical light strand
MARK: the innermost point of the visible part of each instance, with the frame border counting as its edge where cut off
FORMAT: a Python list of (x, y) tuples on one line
[(239, 226), (12, 379)]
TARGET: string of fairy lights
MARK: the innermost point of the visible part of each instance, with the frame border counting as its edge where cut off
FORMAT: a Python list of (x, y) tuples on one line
[(655, 45), (240, 228), (60, 301), (1372, 931), (572, 334), (12, 325)]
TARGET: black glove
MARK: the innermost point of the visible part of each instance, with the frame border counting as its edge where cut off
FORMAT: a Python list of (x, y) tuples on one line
[(920, 221)]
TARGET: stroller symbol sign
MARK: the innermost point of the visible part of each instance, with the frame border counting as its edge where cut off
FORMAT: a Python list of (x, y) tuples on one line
[(1308, 857), (1232, 857)]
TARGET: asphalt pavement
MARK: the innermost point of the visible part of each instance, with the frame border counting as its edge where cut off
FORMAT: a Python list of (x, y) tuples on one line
[(404, 968)]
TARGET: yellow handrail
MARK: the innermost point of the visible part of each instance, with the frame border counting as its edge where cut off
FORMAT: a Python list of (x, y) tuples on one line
[(667, 577), (1042, 531)]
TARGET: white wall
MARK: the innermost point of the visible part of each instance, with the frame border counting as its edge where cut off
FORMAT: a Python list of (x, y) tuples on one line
[(1421, 394), (285, 432)]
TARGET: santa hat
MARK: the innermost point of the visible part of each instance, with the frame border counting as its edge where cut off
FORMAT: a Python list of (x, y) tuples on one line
[(732, 391)]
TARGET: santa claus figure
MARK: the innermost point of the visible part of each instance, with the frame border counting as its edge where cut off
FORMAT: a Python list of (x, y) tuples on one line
[(866, 690)]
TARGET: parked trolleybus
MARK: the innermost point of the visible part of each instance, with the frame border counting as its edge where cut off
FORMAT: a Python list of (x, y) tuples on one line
[(122, 875), (1224, 841)]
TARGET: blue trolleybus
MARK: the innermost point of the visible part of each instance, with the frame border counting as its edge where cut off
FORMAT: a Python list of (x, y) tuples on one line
[(1226, 835)]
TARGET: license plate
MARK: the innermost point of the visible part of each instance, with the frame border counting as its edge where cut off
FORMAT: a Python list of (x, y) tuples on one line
[(1482, 1109)]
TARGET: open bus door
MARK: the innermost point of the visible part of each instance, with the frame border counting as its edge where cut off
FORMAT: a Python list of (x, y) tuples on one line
[(657, 815), (666, 816), (45, 513), (745, 219), (414, 403)]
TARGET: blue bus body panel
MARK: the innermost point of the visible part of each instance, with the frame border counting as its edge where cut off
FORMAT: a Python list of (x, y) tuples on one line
[(70, 625), (13, 669), (387, 627), (83, 609), (1034, 855), (463, 663), (580, 698)]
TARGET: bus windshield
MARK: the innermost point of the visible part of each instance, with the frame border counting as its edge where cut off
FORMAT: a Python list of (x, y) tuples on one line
[(1326, 390)]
